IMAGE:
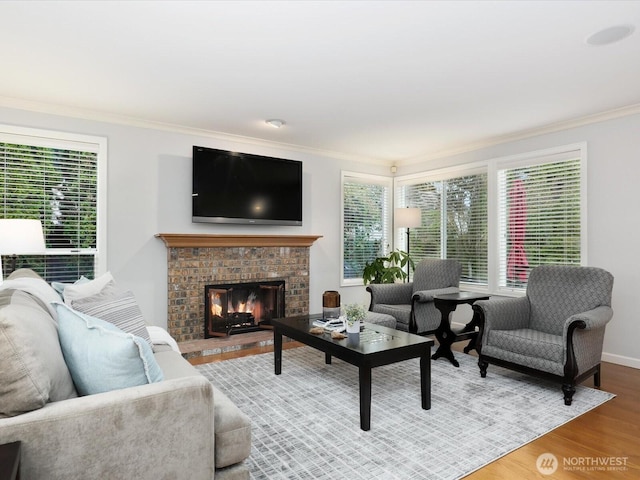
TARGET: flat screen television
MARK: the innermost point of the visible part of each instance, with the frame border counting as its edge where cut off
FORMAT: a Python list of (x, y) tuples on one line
[(242, 188)]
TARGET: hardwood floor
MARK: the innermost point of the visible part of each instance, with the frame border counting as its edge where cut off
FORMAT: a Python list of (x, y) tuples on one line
[(610, 432)]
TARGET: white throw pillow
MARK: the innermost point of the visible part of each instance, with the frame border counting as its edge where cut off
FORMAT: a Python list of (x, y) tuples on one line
[(61, 286), (86, 289)]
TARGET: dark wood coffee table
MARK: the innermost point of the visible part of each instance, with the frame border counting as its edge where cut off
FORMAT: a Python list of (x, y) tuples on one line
[(373, 347)]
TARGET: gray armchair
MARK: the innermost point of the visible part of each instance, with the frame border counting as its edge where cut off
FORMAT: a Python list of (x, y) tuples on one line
[(413, 301), (555, 331)]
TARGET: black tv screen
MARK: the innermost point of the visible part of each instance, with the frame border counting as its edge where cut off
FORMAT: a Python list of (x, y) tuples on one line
[(242, 188)]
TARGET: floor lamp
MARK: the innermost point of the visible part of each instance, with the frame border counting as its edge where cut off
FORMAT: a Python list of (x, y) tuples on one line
[(407, 218), (20, 237)]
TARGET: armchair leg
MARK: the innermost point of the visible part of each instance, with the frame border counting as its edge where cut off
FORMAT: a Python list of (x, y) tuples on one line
[(483, 364), (596, 378), (568, 390)]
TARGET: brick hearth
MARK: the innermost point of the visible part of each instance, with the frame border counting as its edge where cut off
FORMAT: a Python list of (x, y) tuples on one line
[(217, 346), (194, 261)]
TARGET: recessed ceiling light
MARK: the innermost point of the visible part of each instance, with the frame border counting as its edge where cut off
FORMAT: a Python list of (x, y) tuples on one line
[(610, 35), (275, 122)]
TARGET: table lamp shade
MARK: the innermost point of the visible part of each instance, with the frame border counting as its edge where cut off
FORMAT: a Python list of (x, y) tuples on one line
[(407, 217), (21, 237)]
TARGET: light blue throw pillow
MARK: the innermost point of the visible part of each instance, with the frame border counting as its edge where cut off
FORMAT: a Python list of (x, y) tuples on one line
[(100, 356)]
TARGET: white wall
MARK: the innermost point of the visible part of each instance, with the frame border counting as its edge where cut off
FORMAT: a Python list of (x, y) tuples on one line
[(149, 192)]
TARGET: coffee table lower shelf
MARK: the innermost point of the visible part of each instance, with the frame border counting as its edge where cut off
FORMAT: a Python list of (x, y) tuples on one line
[(390, 346)]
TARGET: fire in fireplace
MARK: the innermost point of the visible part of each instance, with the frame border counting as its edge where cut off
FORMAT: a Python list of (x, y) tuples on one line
[(241, 307)]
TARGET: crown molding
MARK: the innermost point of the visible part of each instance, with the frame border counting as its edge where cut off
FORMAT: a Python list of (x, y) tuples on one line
[(524, 134), (98, 116), (75, 112)]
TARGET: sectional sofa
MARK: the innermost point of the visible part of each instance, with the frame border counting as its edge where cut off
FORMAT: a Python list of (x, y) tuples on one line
[(90, 400)]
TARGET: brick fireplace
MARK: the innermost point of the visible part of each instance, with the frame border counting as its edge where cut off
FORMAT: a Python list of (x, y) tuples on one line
[(194, 261)]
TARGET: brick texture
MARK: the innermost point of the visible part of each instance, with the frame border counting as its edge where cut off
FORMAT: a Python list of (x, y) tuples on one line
[(190, 269)]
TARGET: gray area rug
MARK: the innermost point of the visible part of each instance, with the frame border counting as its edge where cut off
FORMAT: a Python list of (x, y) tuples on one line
[(306, 421)]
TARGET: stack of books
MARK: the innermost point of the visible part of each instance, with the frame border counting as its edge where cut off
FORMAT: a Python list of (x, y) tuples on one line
[(331, 324)]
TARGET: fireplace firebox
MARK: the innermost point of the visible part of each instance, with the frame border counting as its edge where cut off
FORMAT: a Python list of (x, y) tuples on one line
[(232, 308)]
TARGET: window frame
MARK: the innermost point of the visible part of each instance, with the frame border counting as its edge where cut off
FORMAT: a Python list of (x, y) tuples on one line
[(72, 141)]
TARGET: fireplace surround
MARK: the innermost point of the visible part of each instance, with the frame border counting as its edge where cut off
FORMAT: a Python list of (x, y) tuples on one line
[(194, 261)]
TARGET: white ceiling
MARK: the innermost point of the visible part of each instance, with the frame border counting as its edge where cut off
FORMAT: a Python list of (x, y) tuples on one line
[(385, 81)]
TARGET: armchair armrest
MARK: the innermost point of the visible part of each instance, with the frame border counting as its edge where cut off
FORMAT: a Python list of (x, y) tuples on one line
[(503, 313), (583, 334), (125, 433), (423, 296), (390, 293), (593, 319)]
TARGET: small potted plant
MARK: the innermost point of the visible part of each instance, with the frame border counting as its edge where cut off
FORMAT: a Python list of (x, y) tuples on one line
[(388, 269), (355, 314)]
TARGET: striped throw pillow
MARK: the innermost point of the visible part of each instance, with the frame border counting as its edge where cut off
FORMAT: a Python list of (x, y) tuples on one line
[(119, 308)]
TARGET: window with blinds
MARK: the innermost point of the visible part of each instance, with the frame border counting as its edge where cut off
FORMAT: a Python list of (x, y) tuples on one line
[(55, 180), (540, 214), (454, 220), (502, 217), (366, 222)]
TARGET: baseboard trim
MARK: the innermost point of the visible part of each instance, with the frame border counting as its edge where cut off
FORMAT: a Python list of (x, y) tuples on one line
[(621, 360)]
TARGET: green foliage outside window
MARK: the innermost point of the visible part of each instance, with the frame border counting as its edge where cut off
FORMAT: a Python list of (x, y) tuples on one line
[(467, 225), (364, 227), (464, 201), (59, 188)]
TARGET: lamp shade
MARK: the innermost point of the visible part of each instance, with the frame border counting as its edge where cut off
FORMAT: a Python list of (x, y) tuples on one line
[(407, 218), (21, 237)]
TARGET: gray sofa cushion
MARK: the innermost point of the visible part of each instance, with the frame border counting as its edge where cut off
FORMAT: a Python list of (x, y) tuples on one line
[(231, 426), (33, 369)]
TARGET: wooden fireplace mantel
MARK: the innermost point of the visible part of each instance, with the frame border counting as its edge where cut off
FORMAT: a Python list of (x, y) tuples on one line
[(186, 240)]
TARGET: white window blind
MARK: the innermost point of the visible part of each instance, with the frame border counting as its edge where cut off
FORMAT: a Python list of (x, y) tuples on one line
[(54, 180), (454, 219), (466, 230), (366, 220), (540, 214), (426, 240)]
